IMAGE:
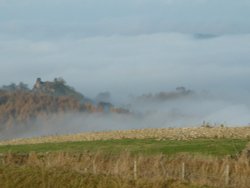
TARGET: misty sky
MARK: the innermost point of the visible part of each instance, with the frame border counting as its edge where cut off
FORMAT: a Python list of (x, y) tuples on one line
[(127, 47), (131, 47)]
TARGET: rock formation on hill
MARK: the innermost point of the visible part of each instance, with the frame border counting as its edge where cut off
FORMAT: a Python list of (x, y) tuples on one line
[(56, 88), (20, 105)]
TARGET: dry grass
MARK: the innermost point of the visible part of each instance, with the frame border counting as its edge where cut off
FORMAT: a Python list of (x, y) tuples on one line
[(101, 170), (29, 177), (166, 133), (118, 170)]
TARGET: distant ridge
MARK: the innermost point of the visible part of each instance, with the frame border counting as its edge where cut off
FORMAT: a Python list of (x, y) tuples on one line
[(21, 106), (204, 36)]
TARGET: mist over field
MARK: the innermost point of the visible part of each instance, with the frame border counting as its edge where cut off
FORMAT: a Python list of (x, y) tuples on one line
[(161, 110), (137, 51)]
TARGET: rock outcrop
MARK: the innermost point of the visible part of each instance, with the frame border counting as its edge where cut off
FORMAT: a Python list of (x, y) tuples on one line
[(56, 88)]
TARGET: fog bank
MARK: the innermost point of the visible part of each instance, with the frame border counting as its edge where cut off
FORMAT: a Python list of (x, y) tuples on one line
[(180, 108)]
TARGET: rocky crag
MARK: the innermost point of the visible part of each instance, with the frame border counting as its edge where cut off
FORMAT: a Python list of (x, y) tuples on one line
[(21, 105)]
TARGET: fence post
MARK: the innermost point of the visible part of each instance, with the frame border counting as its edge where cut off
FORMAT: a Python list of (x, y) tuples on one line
[(183, 171), (227, 175), (135, 170)]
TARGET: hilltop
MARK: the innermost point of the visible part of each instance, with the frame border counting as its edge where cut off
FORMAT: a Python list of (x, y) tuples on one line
[(21, 106), (56, 88)]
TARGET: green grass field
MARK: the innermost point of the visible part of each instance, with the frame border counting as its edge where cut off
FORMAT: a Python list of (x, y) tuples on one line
[(215, 147), (110, 163)]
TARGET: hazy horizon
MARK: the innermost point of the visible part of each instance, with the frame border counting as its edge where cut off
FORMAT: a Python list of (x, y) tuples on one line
[(130, 48)]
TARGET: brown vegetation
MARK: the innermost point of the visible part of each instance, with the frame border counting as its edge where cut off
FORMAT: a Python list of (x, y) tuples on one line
[(123, 170), (23, 107)]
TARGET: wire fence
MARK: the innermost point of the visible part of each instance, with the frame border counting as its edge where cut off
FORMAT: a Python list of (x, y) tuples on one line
[(225, 177), (214, 172)]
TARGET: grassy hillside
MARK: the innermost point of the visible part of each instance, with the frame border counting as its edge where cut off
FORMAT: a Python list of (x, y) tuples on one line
[(158, 158), (216, 147), (184, 134)]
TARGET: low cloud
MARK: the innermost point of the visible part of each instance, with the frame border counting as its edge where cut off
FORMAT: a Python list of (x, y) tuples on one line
[(130, 48), (127, 65), (179, 108)]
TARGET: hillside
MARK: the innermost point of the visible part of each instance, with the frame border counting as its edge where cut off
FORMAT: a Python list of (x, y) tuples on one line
[(24, 107), (201, 157), (183, 134), (21, 106)]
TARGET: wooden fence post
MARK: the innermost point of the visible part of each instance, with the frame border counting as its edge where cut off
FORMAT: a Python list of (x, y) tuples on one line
[(183, 171), (135, 170), (227, 175)]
